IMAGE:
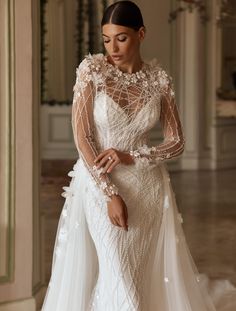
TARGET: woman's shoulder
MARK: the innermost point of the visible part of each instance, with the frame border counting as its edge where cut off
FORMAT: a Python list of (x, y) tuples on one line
[(162, 80), (91, 63), (157, 69), (159, 73), (87, 69)]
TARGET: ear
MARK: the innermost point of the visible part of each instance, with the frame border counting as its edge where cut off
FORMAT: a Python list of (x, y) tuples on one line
[(142, 31)]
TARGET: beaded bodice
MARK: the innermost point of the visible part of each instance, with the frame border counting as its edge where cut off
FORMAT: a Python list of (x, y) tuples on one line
[(113, 109)]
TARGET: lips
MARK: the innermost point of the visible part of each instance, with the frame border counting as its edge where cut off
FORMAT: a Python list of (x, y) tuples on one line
[(116, 57)]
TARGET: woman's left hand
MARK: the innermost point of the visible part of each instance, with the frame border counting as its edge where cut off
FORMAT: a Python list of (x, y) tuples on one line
[(110, 158)]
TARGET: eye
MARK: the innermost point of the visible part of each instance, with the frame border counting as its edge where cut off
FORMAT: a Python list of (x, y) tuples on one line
[(106, 41), (122, 39)]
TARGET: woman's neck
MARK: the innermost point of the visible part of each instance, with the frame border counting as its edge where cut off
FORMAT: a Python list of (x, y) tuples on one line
[(130, 67)]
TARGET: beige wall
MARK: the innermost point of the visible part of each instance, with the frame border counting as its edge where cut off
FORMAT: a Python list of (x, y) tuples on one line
[(158, 36), (18, 289)]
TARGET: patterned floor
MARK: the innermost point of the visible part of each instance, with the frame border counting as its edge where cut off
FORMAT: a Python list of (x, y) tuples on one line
[(206, 199)]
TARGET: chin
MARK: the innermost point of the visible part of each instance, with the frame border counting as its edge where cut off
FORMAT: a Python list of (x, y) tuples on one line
[(120, 62)]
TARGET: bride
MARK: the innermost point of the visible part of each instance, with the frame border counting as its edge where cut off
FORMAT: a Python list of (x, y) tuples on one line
[(120, 244)]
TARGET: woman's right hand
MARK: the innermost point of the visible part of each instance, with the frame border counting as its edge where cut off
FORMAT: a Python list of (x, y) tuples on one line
[(117, 212)]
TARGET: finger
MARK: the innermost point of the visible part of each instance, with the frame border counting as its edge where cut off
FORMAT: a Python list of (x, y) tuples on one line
[(109, 165), (118, 222), (101, 155), (115, 222), (106, 162), (103, 161), (112, 221), (123, 223), (114, 164), (110, 151), (126, 217)]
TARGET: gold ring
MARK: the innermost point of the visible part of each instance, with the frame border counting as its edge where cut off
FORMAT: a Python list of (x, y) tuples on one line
[(110, 158)]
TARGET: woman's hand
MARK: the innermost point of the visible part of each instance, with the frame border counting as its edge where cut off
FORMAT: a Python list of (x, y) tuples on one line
[(117, 212), (110, 158)]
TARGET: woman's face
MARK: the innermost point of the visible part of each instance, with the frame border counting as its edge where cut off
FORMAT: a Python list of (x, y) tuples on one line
[(122, 43)]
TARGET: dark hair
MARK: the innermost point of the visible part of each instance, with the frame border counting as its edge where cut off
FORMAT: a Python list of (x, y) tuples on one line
[(123, 13)]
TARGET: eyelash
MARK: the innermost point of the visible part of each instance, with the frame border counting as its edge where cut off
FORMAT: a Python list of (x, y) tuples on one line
[(121, 40)]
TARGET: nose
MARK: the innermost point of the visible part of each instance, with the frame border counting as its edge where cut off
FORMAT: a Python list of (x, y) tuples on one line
[(115, 47)]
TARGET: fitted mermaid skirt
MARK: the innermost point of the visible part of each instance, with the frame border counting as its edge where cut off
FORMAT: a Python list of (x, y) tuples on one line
[(101, 267)]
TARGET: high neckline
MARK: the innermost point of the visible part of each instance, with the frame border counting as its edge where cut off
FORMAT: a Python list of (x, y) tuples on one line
[(138, 73)]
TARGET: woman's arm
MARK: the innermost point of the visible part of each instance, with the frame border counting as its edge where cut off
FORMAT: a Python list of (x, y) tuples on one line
[(83, 126), (173, 143)]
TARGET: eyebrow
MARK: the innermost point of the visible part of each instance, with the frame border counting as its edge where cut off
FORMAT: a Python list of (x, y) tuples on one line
[(121, 33)]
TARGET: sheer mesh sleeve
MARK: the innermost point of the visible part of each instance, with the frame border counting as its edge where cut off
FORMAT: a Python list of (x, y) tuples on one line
[(83, 126), (173, 143)]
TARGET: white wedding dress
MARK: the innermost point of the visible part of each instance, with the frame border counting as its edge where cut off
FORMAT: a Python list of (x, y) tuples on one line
[(101, 267)]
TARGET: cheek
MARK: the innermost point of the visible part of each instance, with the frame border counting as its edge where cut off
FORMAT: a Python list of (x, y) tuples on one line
[(131, 47), (127, 46), (107, 47)]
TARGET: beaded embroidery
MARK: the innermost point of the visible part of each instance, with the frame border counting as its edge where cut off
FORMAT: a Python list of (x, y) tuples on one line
[(130, 92)]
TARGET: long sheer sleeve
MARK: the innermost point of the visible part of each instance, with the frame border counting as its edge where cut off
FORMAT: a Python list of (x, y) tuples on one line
[(173, 143), (83, 125)]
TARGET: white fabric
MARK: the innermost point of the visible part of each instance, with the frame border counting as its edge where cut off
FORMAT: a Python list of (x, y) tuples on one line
[(129, 96), (100, 267)]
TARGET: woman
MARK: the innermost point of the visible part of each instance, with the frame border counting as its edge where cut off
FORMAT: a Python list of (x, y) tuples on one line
[(119, 244)]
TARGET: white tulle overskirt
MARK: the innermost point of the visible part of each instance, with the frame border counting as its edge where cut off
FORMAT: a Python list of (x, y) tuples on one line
[(96, 266)]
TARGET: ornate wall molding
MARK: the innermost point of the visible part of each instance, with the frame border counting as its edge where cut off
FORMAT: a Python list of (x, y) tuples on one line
[(190, 6)]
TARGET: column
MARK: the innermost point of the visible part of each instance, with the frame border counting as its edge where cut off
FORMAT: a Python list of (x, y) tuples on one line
[(20, 277), (191, 84)]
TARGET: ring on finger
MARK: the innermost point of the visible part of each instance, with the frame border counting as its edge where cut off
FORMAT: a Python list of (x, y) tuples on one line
[(110, 158)]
